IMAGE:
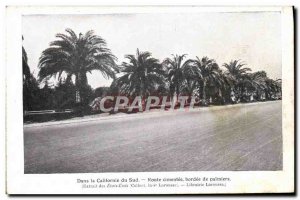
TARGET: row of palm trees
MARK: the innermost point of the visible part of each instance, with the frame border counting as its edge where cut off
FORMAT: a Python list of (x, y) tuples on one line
[(75, 55), (144, 75)]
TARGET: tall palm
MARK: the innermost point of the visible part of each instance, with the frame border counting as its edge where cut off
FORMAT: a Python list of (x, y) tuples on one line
[(176, 70), (76, 56), (238, 74), (208, 73), (141, 75)]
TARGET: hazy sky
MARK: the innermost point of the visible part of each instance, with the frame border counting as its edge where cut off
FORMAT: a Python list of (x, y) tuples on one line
[(253, 37)]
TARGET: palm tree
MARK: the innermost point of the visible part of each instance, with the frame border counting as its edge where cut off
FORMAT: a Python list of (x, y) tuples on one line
[(207, 72), (76, 56), (273, 88), (189, 86), (141, 76), (176, 72), (225, 87), (237, 74), (258, 84)]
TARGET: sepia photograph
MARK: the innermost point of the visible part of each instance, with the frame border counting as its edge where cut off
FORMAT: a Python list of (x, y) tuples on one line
[(150, 100), (152, 92)]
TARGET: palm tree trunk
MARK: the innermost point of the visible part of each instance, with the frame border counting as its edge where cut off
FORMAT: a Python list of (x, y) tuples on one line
[(177, 92), (200, 92), (81, 83), (243, 93), (142, 92), (203, 92), (77, 85), (257, 95), (83, 88)]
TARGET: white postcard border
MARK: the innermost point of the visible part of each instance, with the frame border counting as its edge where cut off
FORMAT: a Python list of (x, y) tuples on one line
[(241, 181)]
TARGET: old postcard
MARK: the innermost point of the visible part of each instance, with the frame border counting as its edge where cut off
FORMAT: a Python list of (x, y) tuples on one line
[(150, 100)]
